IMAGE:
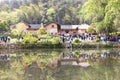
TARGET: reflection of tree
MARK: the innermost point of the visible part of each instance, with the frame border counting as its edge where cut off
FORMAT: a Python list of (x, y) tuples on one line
[(67, 73), (102, 70), (33, 73), (4, 65), (37, 69)]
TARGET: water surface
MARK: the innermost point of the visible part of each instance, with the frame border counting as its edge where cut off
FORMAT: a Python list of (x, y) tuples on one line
[(33, 65)]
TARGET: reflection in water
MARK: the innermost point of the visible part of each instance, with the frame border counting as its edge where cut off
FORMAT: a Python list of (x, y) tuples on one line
[(34, 65), (90, 55)]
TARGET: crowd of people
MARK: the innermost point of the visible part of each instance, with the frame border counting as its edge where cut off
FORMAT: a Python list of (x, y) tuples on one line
[(89, 36), (4, 57), (4, 39)]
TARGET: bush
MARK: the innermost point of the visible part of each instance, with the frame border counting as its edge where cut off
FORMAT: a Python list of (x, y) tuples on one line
[(49, 44), (11, 35), (77, 45), (30, 39), (76, 54), (97, 40), (49, 41), (55, 40), (76, 40), (108, 45)]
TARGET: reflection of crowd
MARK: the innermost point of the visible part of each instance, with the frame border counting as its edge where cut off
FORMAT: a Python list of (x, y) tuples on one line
[(103, 55), (4, 57)]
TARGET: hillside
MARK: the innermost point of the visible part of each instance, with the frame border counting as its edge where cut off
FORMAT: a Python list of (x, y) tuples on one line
[(37, 11)]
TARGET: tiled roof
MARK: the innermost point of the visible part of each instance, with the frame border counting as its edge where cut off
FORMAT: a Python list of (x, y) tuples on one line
[(34, 26)]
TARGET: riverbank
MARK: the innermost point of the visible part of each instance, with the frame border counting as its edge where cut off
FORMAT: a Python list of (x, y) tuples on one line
[(97, 45), (61, 45)]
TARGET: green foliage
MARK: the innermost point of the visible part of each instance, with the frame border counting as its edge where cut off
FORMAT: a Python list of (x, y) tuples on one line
[(19, 30), (100, 27), (50, 11), (97, 40), (76, 40), (53, 42), (95, 45), (117, 21), (10, 18), (3, 25), (64, 12), (39, 11), (11, 35), (30, 39), (90, 29), (102, 13), (108, 45), (46, 41), (76, 54), (41, 32), (56, 40), (114, 33)]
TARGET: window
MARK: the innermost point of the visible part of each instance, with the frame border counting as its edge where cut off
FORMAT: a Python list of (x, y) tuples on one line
[(52, 26), (77, 28), (67, 31)]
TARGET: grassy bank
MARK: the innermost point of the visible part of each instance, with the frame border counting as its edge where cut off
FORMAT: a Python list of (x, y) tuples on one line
[(94, 45), (60, 45), (41, 45), (74, 45)]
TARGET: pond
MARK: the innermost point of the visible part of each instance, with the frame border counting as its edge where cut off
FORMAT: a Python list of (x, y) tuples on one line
[(37, 65)]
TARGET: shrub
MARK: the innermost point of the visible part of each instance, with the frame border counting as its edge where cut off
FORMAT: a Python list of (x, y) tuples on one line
[(30, 39), (97, 40), (55, 40), (76, 45), (76, 40), (108, 45), (76, 54)]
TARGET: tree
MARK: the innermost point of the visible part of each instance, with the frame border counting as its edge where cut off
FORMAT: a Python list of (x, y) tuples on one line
[(117, 22), (41, 11), (19, 30), (41, 31), (102, 13), (51, 14), (112, 11), (3, 25), (90, 29)]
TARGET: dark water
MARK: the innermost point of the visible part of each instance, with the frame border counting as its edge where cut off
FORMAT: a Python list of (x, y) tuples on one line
[(36, 65)]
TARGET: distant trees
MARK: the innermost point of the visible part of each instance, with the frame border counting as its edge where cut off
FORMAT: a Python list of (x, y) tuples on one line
[(91, 29), (37, 11), (102, 14)]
